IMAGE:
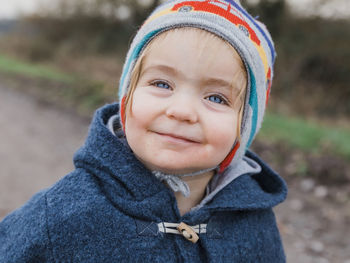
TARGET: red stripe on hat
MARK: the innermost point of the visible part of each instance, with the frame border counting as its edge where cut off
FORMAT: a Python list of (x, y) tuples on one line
[(225, 163), (269, 83), (210, 7), (122, 112)]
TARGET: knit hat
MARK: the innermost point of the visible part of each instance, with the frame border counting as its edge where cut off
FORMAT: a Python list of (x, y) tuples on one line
[(231, 22)]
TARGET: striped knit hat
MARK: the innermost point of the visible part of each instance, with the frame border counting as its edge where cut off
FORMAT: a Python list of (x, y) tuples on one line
[(228, 20)]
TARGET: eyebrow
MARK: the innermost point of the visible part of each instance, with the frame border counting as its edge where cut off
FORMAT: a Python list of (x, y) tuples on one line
[(161, 67), (216, 82), (206, 82)]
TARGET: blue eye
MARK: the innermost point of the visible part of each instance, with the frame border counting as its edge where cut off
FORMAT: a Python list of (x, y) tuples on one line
[(162, 85), (217, 99)]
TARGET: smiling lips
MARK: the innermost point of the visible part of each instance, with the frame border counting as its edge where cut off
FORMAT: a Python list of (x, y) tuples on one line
[(177, 138)]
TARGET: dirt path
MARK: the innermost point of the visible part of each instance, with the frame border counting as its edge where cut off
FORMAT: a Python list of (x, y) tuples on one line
[(315, 223), (37, 142)]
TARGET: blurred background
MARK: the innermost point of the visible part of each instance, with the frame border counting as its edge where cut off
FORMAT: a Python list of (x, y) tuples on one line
[(60, 60)]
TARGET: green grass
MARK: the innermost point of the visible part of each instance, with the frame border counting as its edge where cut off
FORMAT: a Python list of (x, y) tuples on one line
[(14, 66), (84, 94), (309, 136)]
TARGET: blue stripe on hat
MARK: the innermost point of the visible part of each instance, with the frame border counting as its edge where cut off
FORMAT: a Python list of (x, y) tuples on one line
[(253, 103), (272, 50), (134, 55)]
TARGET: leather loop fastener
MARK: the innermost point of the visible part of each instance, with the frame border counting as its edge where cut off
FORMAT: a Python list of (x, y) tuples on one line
[(188, 232)]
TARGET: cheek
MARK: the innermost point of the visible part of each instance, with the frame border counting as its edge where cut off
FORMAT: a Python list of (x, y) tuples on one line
[(140, 116), (138, 111), (135, 126), (223, 134), (143, 105)]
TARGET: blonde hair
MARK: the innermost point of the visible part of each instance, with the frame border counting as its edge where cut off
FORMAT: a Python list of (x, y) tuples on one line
[(239, 78)]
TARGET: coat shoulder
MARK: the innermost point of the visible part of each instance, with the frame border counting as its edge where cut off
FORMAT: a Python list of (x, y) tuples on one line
[(24, 233)]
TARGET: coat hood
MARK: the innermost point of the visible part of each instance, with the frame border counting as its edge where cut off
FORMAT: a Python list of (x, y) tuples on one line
[(130, 186)]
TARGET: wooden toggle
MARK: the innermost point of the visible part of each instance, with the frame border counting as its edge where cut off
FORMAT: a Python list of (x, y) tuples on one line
[(188, 232)]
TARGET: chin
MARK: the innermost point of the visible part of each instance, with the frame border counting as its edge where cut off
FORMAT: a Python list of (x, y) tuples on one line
[(176, 170), (170, 169), (173, 165)]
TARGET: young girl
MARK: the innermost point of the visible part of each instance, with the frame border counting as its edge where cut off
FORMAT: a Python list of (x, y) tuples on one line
[(165, 176)]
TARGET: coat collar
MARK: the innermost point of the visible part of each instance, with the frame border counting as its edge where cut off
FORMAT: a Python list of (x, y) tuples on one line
[(249, 192), (133, 188)]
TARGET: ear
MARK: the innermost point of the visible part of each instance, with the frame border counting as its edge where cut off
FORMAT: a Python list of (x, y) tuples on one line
[(226, 162)]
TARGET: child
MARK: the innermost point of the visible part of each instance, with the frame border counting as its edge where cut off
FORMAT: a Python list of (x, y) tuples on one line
[(165, 176)]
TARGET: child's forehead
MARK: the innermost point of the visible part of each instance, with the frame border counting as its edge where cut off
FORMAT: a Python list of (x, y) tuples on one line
[(191, 44), (196, 43), (190, 34)]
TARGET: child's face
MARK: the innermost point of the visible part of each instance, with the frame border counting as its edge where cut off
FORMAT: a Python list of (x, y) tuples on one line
[(183, 117)]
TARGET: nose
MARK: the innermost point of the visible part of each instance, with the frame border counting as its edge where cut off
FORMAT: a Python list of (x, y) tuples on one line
[(182, 107)]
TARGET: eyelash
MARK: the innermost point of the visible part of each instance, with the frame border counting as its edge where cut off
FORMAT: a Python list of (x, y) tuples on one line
[(222, 99), (160, 82)]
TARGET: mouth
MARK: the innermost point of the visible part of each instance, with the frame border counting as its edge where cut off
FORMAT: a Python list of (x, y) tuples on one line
[(177, 138)]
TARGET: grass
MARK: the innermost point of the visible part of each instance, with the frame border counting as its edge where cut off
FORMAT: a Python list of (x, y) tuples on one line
[(10, 65), (306, 135), (89, 94), (68, 89)]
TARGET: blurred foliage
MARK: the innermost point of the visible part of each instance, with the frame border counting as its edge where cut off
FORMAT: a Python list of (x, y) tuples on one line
[(14, 66), (306, 135), (313, 60), (312, 67), (100, 26), (54, 86)]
